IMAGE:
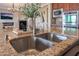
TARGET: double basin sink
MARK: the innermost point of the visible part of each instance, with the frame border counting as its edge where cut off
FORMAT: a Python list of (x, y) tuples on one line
[(41, 43)]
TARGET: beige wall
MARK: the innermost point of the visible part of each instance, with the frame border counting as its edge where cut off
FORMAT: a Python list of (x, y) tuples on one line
[(39, 21), (45, 9), (15, 18)]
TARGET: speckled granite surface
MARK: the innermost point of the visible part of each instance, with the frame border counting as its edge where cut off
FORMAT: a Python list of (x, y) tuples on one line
[(58, 48), (7, 50)]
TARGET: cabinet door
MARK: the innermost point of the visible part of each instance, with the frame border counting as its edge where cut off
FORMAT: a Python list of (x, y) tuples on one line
[(71, 6), (74, 6), (55, 6), (66, 6), (60, 5)]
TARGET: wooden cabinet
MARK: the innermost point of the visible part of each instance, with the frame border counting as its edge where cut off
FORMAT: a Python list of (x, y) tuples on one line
[(55, 6), (60, 5), (66, 6), (74, 6)]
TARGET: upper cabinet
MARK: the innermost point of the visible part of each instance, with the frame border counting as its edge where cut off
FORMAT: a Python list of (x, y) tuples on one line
[(54, 6), (66, 6), (60, 5), (74, 6)]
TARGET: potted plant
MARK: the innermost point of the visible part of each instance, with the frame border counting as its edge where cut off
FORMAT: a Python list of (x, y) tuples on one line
[(31, 11)]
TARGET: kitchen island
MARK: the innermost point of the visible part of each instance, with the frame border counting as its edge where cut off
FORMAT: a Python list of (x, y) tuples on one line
[(56, 50), (60, 48)]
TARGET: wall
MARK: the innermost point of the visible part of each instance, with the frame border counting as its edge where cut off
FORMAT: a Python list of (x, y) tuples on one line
[(45, 10), (47, 14), (16, 18), (1, 21)]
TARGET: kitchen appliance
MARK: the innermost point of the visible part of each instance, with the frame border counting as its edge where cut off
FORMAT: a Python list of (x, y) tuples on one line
[(23, 25), (6, 16), (58, 12), (70, 22)]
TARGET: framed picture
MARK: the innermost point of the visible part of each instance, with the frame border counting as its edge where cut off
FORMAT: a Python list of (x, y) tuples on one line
[(6, 16)]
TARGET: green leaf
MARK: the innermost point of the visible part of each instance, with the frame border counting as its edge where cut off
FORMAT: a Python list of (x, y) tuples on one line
[(31, 10)]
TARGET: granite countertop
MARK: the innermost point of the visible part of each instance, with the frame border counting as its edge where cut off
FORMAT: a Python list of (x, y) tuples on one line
[(58, 48), (55, 50), (26, 34)]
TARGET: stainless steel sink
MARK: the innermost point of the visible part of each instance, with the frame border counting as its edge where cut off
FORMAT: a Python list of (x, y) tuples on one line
[(58, 37)]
